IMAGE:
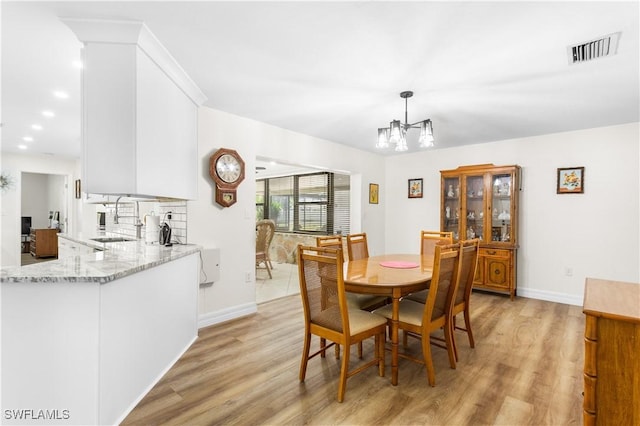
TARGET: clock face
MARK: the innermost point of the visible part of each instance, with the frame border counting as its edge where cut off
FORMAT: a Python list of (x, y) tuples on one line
[(228, 168)]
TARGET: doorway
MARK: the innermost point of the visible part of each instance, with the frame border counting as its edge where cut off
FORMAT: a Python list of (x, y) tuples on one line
[(43, 205)]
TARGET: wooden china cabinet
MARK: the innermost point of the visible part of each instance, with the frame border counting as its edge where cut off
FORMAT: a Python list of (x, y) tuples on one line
[(481, 201)]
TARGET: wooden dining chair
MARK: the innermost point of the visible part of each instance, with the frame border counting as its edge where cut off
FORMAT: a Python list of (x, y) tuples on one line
[(333, 320), (265, 230), (357, 247), (429, 239), (360, 301), (428, 242), (423, 319), (468, 263)]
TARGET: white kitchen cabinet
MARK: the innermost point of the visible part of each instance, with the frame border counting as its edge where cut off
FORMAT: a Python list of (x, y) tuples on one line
[(139, 114)]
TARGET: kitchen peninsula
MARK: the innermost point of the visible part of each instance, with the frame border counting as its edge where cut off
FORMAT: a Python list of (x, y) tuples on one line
[(85, 337)]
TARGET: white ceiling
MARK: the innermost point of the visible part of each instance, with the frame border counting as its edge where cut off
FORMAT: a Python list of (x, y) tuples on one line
[(482, 71)]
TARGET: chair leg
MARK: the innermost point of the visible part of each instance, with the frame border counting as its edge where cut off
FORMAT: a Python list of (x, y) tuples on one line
[(448, 340), (428, 360), (266, 264), (405, 340), (453, 338), (360, 350), (305, 356), (467, 324), (380, 341), (342, 386), (323, 343)]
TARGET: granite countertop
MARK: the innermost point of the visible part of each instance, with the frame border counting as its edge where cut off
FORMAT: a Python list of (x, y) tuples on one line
[(113, 261)]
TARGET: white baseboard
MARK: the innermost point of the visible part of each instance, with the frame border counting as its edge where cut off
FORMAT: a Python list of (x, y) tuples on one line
[(211, 318), (550, 296)]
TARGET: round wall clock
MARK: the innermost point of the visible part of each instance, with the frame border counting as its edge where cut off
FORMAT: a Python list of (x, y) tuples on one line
[(226, 168)]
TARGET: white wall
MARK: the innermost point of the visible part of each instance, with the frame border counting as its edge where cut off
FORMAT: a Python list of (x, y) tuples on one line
[(42, 193), (35, 196), (14, 165), (232, 229), (595, 233)]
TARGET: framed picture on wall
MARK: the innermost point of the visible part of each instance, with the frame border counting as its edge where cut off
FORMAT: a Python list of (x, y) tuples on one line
[(373, 193), (415, 188), (570, 180)]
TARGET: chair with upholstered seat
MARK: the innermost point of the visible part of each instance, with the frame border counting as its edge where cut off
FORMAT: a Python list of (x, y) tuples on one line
[(428, 242), (360, 301), (468, 263), (265, 230), (332, 319), (422, 319), (357, 246)]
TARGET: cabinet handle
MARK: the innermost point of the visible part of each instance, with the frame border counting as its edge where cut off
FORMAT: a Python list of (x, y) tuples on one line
[(491, 252), (497, 271)]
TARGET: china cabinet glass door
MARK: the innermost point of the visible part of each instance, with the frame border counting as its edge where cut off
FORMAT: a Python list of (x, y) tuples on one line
[(501, 207), (474, 203), (451, 214)]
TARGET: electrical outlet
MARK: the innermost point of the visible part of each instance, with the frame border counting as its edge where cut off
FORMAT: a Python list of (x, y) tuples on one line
[(568, 271), (247, 277)]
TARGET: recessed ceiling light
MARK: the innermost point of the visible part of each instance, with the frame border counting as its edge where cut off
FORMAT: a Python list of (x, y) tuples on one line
[(27, 139), (60, 94), (48, 113), (22, 146), (36, 127)]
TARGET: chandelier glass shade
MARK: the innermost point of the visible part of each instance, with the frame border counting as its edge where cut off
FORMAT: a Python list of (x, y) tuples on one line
[(397, 131)]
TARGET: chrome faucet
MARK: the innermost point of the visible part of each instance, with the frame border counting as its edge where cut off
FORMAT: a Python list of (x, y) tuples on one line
[(138, 223)]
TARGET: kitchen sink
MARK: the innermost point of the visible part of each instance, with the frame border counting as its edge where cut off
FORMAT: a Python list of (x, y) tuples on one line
[(111, 239)]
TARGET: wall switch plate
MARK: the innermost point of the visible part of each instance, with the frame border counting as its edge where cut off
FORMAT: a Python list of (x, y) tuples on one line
[(247, 277), (568, 271)]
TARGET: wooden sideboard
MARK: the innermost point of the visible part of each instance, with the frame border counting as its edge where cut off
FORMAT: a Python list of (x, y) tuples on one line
[(44, 242), (612, 353)]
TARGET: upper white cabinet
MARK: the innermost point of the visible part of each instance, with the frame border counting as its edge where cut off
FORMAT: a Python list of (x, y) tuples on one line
[(139, 113)]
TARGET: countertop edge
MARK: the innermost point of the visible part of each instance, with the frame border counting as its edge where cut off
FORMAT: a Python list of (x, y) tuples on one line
[(114, 262)]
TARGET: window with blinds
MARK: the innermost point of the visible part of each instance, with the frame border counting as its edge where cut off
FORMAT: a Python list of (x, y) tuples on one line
[(316, 203)]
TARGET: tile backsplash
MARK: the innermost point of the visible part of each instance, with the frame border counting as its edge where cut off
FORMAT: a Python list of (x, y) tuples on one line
[(174, 213)]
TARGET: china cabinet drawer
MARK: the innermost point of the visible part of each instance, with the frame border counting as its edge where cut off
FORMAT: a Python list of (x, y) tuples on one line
[(486, 252)]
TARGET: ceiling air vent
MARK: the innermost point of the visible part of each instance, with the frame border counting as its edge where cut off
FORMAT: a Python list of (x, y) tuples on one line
[(594, 49)]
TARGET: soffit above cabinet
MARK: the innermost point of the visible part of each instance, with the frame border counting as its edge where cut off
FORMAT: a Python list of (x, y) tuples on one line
[(135, 33)]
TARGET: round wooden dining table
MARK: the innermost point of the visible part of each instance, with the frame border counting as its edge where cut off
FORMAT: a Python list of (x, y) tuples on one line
[(392, 275)]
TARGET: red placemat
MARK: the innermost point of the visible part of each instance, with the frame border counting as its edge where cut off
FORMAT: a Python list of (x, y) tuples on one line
[(399, 264)]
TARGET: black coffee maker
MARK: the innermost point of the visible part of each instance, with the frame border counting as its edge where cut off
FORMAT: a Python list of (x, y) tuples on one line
[(165, 234)]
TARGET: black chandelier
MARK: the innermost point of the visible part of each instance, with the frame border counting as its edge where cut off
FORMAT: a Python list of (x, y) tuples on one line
[(396, 132)]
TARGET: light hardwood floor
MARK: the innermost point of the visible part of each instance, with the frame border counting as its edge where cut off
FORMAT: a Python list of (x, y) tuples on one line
[(526, 369)]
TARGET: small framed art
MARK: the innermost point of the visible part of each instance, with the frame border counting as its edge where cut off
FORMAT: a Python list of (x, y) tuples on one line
[(373, 193), (78, 189), (415, 188), (570, 180)]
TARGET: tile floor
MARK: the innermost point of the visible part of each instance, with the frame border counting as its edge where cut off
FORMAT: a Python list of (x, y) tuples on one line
[(283, 283)]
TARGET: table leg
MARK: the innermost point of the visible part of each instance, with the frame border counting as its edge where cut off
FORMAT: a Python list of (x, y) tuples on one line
[(395, 315)]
